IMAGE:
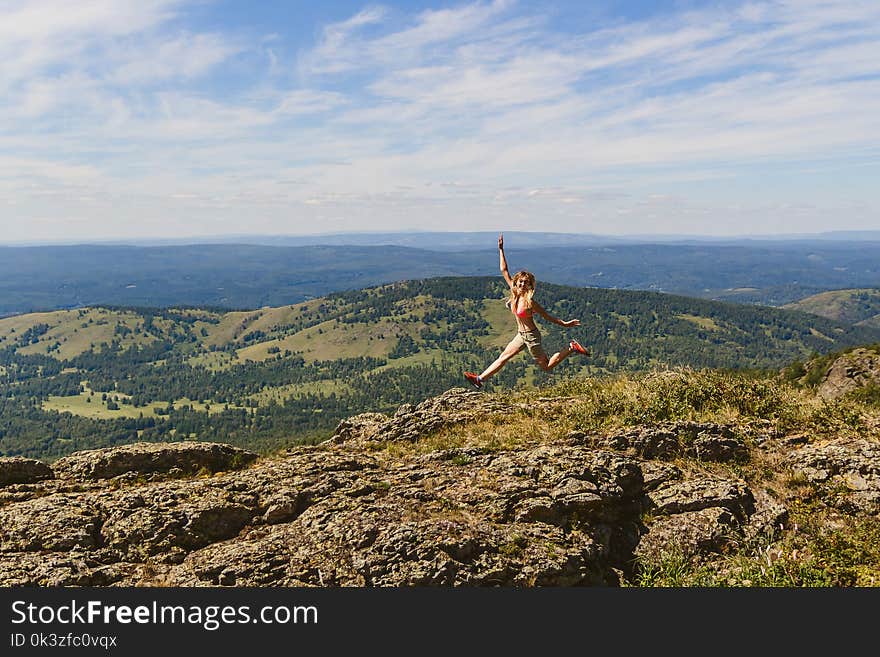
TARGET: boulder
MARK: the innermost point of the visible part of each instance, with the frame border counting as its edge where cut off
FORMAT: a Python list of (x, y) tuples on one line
[(853, 370), (183, 458), (18, 470)]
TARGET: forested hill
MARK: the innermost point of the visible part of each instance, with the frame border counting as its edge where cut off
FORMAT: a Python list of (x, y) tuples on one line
[(853, 306), (91, 377)]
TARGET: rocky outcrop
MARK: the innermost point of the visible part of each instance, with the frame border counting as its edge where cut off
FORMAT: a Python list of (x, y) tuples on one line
[(494, 520), (359, 427), (704, 441), (847, 470), (577, 510), (853, 370), (183, 458), (456, 406), (18, 470), (686, 534)]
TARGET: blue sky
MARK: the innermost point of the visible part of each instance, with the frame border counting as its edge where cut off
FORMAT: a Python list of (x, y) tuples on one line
[(168, 118)]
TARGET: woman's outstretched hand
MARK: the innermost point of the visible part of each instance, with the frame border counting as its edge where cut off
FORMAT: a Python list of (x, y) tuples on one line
[(501, 242), (572, 322)]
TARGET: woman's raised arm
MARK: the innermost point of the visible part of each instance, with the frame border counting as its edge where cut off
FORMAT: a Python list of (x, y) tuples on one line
[(503, 262)]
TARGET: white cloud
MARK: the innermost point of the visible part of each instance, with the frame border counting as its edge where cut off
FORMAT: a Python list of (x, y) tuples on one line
[(38, 36), (48, 20), (129, 102), (183, 56), (438, 26), (337, 52)]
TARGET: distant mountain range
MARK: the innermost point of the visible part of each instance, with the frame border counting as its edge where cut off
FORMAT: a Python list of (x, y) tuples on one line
[(252, 275), (452, 241)]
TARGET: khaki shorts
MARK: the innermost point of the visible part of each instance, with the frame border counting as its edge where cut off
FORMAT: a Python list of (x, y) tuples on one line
[(532, 341)]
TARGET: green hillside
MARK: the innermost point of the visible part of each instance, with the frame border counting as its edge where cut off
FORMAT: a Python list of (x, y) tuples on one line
[(861, 306), (78, 379)]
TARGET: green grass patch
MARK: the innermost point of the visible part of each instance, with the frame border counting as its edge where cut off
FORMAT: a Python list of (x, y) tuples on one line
[(92, 404), (280, 393), (502, 325), (331, 340), (703, 322)]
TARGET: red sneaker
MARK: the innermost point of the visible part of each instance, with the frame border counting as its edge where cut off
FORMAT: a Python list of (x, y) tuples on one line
[(473, 379), (574, 345)]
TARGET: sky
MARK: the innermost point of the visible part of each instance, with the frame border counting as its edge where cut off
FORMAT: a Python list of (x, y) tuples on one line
[(173, 119)]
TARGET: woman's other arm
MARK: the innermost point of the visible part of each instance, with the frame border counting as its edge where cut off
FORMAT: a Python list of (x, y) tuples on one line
[(536, 307)]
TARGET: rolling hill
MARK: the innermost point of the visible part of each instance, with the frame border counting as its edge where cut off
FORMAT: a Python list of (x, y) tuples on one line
[(90, 377), (860, 307)]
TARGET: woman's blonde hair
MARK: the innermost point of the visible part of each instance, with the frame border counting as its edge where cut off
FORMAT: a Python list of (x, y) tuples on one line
[(530, 277)]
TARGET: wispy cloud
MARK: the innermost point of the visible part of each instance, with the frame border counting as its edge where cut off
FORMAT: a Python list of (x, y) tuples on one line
[(183, 56), (338, 50), (388, 117), (41, 38)]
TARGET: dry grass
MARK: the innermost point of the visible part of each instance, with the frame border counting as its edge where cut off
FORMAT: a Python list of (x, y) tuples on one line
[(709, 396), (498, 433)]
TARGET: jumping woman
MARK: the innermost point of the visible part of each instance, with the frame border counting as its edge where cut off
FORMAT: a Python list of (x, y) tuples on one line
[(524, 307)]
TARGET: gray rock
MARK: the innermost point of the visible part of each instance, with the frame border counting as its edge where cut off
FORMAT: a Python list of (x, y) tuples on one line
[(848, 470), (64, 569), (18, 470), (701, 493), (409, 423), (149, 458), (656, 474), (55, 523), (851, 371), (769, 519), (165, 522), (362, 426), (705, 441), (686, 534)]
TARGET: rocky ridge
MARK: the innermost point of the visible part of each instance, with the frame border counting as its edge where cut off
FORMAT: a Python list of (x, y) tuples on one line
[(574, 510), (852, 370)]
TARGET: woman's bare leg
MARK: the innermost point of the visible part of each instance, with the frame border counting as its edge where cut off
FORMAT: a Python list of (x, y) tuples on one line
[(509, 352), (554, 360)]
